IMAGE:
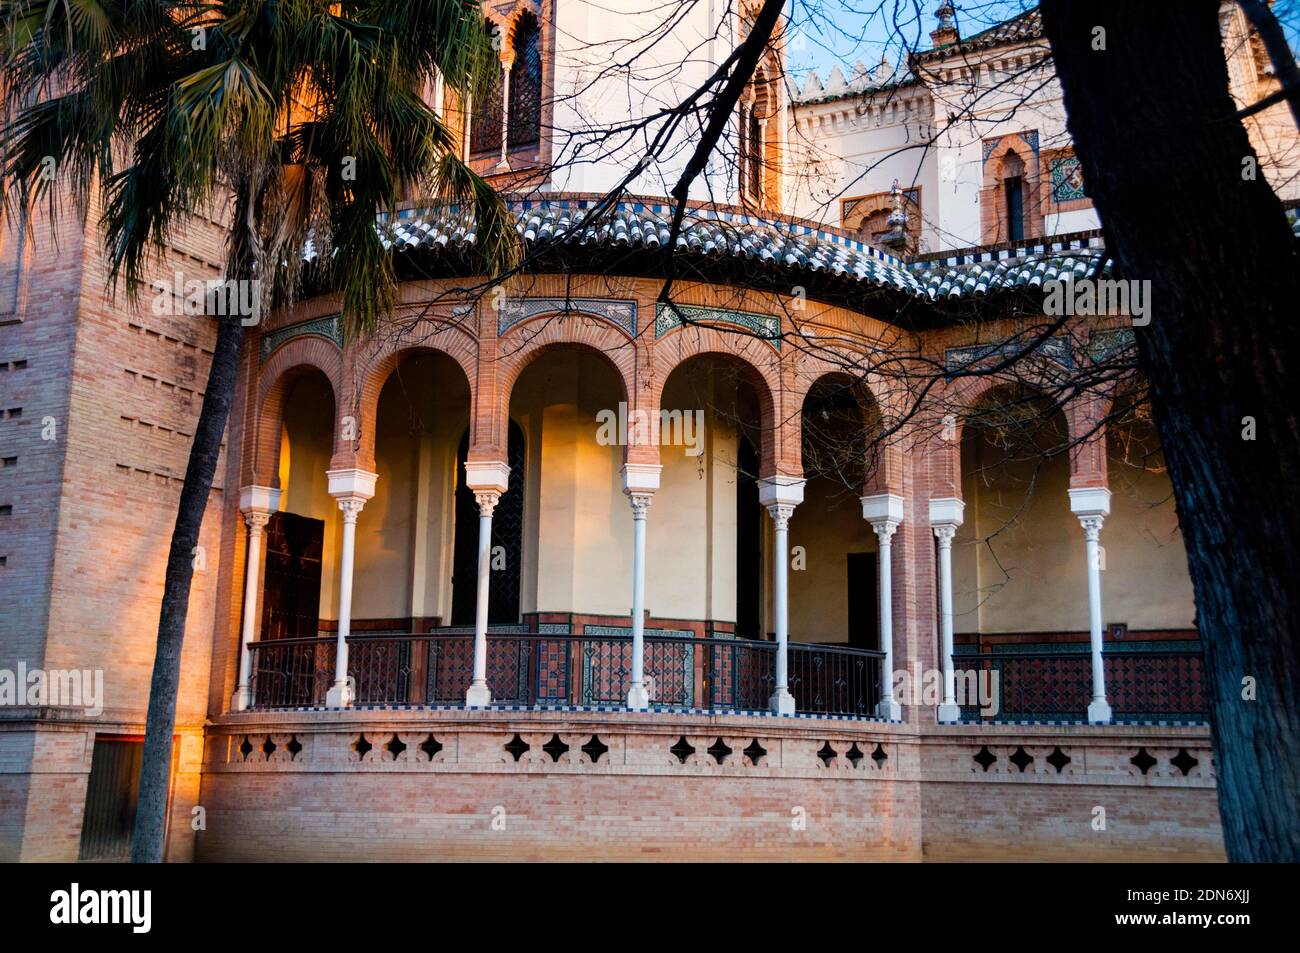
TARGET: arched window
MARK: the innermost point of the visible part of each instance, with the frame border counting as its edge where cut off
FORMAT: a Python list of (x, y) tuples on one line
[(507, 533), (485, 123), (524, 117), (760, 156), (754, 163), (1013, 195)]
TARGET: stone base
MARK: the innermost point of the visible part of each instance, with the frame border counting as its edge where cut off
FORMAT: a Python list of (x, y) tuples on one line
[(1099, 711), (638, 699), (889, 709), (949, 713), (781, 702), (339, 696), (478, 695), (241, 700)]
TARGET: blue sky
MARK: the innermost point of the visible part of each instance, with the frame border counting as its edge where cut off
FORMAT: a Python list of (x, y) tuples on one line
[(823, 33)]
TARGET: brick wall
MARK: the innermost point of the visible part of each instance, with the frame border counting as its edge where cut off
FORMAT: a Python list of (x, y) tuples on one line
[(307, 787), (109, 393)]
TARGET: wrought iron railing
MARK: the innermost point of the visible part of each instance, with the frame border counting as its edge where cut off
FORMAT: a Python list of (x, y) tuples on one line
[(529, 668), (1141, 684)]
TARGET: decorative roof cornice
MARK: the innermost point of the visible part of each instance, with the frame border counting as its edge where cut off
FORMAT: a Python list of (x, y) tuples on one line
[(741, 247), (1018, 29)]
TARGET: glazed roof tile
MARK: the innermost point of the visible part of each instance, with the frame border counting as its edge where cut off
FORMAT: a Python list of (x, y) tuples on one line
[(721, 234), (798, 247)]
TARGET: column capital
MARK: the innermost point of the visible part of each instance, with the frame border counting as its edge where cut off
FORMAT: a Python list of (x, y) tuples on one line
[(884, 510), (1092, 527), (487, 475), (780, 513), (351, 506), (487, 501), (944, 533), (946, 511), (885, 530), (640, 503), (256, 521), (258, 499)]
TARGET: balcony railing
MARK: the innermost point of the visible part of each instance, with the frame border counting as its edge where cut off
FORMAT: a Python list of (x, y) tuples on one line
[(1141, 685), (528, 668)]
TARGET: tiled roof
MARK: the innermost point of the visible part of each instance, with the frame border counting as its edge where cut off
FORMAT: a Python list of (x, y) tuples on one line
[(750, 243)]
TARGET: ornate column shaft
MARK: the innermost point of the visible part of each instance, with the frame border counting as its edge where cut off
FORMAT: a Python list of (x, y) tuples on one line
[(257, 504), (1092, 505), (351, 488), (946, 515), (488, 481), (504, 164), (640, 480), (780, 495), (885, 513)]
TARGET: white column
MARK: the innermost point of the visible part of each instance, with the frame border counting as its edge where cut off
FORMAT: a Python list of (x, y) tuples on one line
[(257, 504), (1092, 505), (351, 488), (946, 514), (885, 512), (640, 480), (780, 495), (488, 481), (504, 164)]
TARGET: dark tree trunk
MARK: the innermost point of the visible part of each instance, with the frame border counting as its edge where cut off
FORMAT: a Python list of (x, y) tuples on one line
[(1163, 155), (148, 841)]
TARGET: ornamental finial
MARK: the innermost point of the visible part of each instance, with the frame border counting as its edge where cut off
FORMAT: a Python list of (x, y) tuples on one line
[(946, 32)]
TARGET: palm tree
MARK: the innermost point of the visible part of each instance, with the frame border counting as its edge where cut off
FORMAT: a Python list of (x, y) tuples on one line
[(306, 116)]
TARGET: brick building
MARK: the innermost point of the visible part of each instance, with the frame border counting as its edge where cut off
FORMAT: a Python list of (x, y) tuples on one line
[(563, 571)]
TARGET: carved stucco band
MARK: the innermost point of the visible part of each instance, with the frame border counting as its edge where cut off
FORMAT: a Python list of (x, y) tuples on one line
[(1055, 349), (765, 326), (619, 311), (329, 326)]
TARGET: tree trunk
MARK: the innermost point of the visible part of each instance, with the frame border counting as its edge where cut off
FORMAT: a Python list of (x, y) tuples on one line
[(149, 837), (148, 840), (1165, 158)]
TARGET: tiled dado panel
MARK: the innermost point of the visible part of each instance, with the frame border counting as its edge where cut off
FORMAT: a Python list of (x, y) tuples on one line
[(428, 785)]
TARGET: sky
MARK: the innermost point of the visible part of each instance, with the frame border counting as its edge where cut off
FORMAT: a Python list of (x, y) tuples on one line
[(824, 33)]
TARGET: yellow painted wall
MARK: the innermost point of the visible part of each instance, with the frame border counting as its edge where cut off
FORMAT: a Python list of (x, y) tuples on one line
[(829, 526), (423, 411), (1019, 564), (578, 521), (1146, 583)]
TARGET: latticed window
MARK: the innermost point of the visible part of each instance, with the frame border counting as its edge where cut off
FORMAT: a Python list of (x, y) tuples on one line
[(754, 158), (524, 118), (1013, 192), (485, 122)]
